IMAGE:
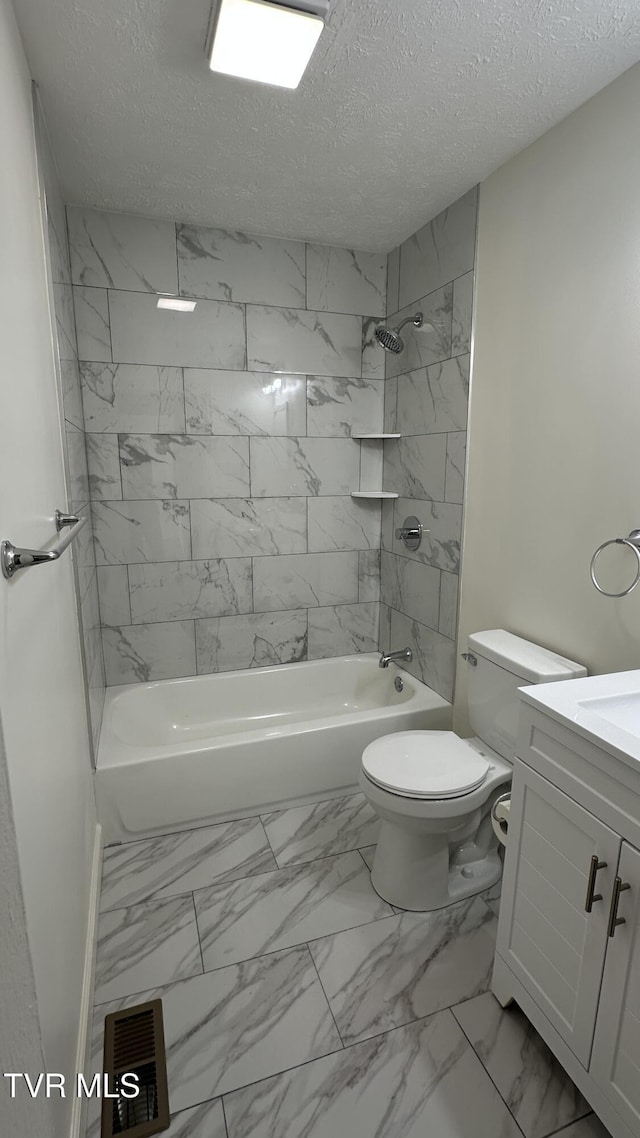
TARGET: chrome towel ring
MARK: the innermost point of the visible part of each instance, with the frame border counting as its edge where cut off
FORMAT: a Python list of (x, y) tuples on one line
[(633, 542)]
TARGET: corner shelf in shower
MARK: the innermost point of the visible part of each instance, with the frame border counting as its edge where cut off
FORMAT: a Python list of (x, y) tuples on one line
[(378, 435), (373, 494)]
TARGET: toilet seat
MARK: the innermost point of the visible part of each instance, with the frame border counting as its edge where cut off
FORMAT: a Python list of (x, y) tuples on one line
[(425, 764)]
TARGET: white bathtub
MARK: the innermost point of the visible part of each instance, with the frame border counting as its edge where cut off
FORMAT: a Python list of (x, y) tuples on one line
[(181, 753)]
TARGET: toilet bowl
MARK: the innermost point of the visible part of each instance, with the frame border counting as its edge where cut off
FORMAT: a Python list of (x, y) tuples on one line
[(434, 791)]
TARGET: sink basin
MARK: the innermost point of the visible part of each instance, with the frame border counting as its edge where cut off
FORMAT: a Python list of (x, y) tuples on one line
[(621, 710)]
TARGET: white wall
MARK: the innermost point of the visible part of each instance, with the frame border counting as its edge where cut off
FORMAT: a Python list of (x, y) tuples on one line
[(554, 458), (41, 700), (20, 1040)]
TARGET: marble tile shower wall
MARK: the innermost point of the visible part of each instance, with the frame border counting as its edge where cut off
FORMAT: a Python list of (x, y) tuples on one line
[(426, 400), (82, 550), (218, 443)]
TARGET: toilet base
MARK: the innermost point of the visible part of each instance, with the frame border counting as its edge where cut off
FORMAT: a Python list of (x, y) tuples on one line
[(416, 871)]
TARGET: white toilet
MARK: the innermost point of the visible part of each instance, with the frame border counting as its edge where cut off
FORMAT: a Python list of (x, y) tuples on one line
[(434, 791)]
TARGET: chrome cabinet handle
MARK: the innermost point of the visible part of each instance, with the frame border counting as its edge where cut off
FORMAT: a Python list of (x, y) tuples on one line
[(591, 884), (619, 887)]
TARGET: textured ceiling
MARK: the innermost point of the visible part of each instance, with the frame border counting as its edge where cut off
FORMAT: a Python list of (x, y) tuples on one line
[(404, 106)]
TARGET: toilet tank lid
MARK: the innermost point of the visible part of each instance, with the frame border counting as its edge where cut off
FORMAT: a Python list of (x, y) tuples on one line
[(534, 664)]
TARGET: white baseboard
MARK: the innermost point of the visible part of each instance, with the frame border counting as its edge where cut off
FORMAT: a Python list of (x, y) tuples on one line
[(78, 1114)]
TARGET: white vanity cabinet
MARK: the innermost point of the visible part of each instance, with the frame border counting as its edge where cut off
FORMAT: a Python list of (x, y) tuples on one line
[(569, 933), (615, 1060)]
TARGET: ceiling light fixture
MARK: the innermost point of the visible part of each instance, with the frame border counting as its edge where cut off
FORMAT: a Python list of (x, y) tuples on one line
[(176, 304), (267, 42)]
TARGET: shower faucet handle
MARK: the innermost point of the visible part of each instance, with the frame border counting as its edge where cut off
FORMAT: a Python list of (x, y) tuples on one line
[(410, 532)]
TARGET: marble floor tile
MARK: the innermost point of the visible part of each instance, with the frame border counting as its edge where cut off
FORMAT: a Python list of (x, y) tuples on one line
[(178, 863), (589, 1127), (204, 1121), (421, 1081), (538, 1092), (287, 907), (492, 897), (304, 833), (237, 1025), (368, 854), (144, 945), (396, 970)]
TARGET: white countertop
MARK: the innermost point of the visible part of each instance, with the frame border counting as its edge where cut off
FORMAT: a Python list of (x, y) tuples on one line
[(605, 710)]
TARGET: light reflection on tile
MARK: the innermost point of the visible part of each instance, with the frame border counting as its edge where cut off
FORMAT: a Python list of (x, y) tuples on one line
[(244, 403)]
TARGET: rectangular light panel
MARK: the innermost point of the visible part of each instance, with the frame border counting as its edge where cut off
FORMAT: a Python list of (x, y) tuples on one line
[(176, 304), (265, 42)]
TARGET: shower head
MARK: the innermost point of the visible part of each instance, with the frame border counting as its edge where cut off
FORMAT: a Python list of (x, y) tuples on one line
[(391, 339)]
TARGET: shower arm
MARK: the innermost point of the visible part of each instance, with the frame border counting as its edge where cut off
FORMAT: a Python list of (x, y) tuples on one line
[(417, 320)]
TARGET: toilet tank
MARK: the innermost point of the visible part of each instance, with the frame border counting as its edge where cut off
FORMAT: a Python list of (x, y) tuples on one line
[(505, 663)]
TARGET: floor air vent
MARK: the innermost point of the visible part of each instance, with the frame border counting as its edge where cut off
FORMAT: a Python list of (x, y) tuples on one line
[(134, 1043)]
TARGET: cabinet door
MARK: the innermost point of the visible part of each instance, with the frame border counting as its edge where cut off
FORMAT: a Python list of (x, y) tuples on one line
[(616, 1047), (546, 936)]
